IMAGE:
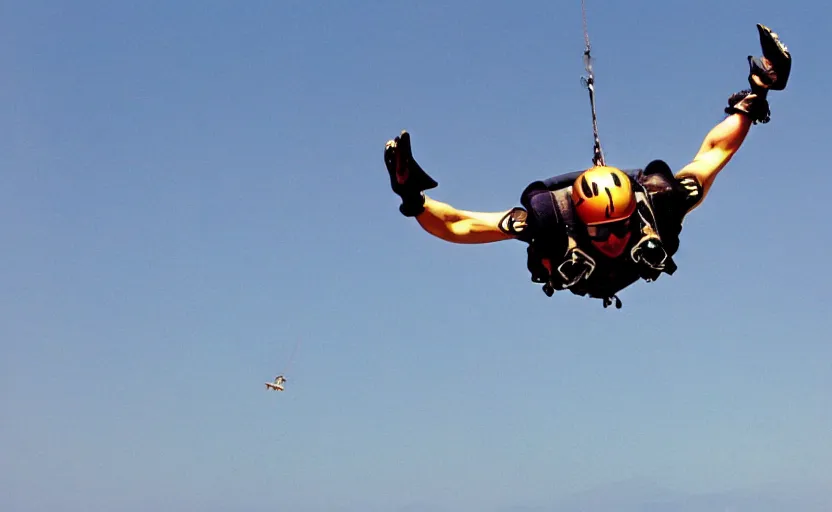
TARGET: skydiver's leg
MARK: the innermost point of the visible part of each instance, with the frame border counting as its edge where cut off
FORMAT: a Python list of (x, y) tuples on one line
[(442, 220)]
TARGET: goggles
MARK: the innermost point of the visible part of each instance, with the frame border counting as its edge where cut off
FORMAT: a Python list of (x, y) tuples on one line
[(602, 232)]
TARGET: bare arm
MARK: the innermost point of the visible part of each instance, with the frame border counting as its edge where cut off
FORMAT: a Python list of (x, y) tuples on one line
[(460, 226), (719, 146)]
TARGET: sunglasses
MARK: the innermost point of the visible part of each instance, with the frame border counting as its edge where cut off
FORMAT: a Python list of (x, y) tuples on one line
[(602, 232)]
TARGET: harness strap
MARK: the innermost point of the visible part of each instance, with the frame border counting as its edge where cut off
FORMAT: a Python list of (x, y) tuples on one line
[(563, 203), (577, 264), (648, 217)]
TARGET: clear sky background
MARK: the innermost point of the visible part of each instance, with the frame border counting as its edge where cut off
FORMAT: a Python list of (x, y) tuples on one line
[(192, 189)]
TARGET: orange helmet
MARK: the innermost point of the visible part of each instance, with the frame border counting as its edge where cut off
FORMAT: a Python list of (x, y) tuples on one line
[(603, 194)]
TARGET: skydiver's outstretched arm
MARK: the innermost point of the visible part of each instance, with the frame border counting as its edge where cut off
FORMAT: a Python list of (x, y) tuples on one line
[(460, 226), (719, 146), (770, 72), (442, 220)]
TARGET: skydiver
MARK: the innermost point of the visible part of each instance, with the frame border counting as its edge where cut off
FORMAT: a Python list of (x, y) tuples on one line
[(597, 231)]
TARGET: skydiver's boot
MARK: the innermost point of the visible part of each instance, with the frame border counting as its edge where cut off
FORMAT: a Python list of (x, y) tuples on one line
[(769, 72), (407, 179)]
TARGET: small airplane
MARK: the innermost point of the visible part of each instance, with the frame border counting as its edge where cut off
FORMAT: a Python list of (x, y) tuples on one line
[(277, 385)]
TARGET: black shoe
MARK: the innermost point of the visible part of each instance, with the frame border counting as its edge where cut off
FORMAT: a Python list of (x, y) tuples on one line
[(770, 71), (407, 178)]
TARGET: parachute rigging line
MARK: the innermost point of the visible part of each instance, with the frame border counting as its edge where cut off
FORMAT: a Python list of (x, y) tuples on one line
[(589, 83)]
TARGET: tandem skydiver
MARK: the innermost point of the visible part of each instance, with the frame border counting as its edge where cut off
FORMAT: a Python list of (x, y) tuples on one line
[(597, 231)]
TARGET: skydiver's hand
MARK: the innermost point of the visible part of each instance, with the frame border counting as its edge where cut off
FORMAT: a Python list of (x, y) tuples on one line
[(393, 159), (771, 70), (767, 72), (407, 179), (405, 174)]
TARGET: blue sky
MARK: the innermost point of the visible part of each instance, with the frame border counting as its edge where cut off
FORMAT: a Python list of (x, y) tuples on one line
[(191, 189)]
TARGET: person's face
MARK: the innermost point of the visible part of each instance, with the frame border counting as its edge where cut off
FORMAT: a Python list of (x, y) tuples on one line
[(611, 239)]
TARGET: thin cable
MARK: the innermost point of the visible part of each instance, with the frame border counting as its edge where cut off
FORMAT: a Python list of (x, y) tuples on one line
[(589, 83)]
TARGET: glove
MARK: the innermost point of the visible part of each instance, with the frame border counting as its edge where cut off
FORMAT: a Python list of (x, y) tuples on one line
[(755, 106)]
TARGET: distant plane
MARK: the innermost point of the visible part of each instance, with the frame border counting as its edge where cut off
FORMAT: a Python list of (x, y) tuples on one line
[(277, 385)]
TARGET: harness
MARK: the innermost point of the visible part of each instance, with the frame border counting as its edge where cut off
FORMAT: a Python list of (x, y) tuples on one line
[(559, 252), (559, 255)]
